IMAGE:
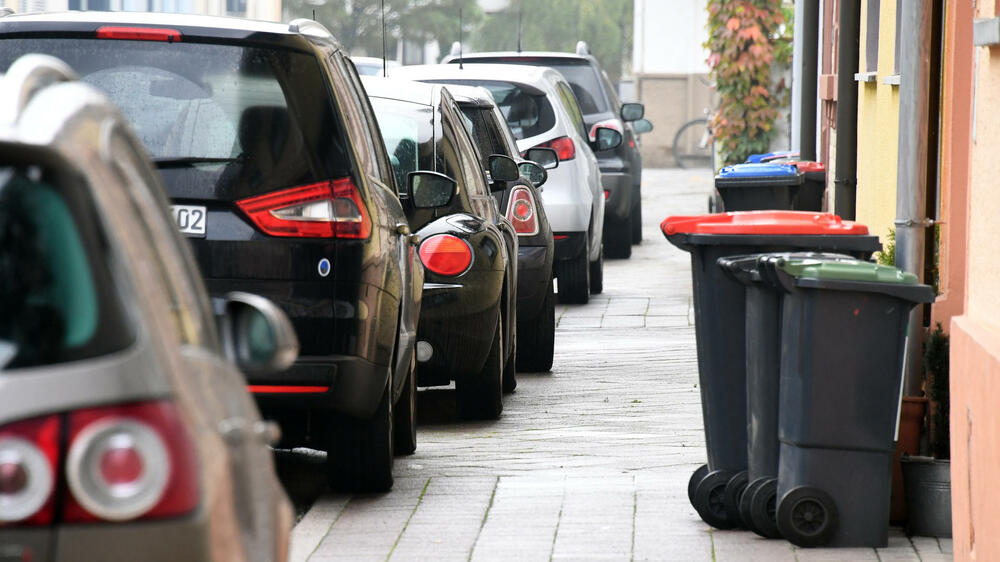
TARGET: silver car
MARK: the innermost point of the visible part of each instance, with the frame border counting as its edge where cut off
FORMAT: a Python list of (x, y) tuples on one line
[(126, 429), (542, 112)]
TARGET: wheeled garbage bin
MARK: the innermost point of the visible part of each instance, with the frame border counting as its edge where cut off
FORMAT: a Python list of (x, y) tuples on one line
[(843, 332), (810, 194), (754, 187), (720, 330), (756, 503)]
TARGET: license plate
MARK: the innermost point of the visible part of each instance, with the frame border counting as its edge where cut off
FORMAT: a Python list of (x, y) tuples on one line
[(191, 219)]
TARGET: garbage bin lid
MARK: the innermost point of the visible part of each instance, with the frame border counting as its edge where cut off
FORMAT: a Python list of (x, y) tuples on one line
[(772, 156), (806, 166), (844, 270), (762, 223), (756, 171)]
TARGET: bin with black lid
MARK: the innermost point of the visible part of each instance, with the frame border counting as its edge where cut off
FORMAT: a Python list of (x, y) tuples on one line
[(843, 333), (754, 187), (720, 334)]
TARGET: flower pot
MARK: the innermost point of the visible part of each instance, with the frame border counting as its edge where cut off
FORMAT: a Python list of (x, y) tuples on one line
[(927, 485), (911, 419)]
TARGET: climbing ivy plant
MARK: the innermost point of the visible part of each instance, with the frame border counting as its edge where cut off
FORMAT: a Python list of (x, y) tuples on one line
[(748, 41)]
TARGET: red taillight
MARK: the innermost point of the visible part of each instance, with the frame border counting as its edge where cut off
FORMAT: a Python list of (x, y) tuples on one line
[(329, 209), (631, 143), (563, 146), (129, 462), (445, 254), (607, 123), (139, 33), (560, 236), (29, 455), (521, 212), (282, 389), (607, 195)]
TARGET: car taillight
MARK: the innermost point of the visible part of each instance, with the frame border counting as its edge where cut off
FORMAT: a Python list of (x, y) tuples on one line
[(139, 33), (608, 123), (29, 456), (607, 195), (563, 146), (129, 462), (445, 254), (329, 209), (521, 212)]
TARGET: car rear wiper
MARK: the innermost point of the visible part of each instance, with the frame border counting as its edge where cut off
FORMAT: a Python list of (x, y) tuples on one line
[(190, 161)]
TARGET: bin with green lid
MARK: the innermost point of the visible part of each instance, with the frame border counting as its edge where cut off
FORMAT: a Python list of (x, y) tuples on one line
[(720, 330), (843, 333)]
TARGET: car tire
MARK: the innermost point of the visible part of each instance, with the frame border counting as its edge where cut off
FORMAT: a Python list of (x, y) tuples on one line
[(480, 395), (510, 373), (404, 422), (536, 339), (637, 222), (618, 242), (597, 274), (360, 452), (574, 279)]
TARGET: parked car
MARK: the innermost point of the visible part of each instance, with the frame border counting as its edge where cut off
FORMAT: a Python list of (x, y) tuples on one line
[(621, 169), (520, 201), (278, 176), (467, 324), (126, 429), (373, 66), (541, 110)]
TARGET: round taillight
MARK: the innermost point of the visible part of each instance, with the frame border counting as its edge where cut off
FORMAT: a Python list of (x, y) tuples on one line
[(118, 469), (26, 480), (522, 210), (445, 254)]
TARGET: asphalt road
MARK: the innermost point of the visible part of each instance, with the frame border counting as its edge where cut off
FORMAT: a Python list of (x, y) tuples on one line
[(590, 461)]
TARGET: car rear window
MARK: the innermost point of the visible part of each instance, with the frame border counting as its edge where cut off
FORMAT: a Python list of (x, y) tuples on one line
[(527, 115), (581, 75), (260, 118), (58, 301)]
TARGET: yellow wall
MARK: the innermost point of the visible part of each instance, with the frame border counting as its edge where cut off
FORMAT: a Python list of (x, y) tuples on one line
[(878, 129)]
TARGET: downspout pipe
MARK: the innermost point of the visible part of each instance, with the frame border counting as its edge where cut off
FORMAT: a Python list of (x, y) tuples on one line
[(911, 172), (807, 67), (845, 180)]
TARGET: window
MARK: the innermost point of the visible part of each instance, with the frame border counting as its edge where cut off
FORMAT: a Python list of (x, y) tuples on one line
[(569, 102), (871, 36), (527, 115)]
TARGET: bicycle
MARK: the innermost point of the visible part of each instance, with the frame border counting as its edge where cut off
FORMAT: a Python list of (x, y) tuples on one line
[(694, 145)]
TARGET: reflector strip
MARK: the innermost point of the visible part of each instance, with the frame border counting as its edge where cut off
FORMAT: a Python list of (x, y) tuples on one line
[(279, 389)]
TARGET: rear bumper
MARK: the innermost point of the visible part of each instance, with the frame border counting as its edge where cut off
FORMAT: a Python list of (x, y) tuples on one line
[(342, 384), (619, 188), (569, 247), (534, 272)]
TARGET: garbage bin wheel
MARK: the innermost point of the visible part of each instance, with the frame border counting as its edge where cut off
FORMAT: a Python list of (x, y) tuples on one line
[(807, 516), (762, 504), (695, 480), (744, 508), (734, 490), (710, 499)]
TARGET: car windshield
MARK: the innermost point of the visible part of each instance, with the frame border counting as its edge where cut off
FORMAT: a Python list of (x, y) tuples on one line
[(408, 132), (58, 302), (527, 115)]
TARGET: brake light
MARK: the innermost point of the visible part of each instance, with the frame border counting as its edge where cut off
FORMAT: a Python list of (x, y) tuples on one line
[(329, 209), (607, 195), (139, 34), (521, 212), (129, 462), (607, 123), (445, 254), (29, 456), (563, 146)]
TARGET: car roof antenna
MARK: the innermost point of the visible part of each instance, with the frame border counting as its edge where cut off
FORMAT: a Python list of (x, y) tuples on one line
[(385, 64), (519, 27), (460, 48)]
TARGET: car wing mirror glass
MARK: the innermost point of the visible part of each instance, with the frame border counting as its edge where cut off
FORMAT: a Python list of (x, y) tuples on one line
[(535, 173), (430, 190), (257, 336), (503, 168), (606, 138), (547, 158), (642, 126), (633, 111)]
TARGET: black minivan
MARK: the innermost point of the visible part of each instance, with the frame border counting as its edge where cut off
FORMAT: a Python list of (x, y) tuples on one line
[(278, 176)]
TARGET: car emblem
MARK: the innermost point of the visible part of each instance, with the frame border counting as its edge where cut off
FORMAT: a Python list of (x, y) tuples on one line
[(324, 267)]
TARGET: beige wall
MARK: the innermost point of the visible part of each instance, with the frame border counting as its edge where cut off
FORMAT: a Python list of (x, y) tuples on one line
[(671, 101)]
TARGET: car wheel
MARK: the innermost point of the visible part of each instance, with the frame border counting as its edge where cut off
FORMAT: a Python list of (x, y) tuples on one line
[(574, 279), (536, 339), (637, 223), (618, 242), (597, 274), (480, 395), (405, 414), (510, 373), (360, 452)]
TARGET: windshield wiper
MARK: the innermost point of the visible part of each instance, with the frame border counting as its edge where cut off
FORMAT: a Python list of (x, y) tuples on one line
[(190, 161)]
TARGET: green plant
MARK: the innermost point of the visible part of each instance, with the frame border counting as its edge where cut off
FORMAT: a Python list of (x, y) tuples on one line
[(747, 40), (936, 352), (888, 255)]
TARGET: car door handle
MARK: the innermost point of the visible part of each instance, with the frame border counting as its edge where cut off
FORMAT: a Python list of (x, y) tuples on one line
[(414, 239), (403, 229)]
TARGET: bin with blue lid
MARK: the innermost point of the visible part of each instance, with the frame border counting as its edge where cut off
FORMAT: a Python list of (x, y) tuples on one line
[(756, 187), (843, 332), (771, 156)]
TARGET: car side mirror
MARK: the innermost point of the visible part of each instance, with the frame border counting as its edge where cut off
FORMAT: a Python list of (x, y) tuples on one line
[(606, 138), (430, 190), (547, 158), (632, 112), (503, 168), (257, 336), (535, 173), (642, 126)]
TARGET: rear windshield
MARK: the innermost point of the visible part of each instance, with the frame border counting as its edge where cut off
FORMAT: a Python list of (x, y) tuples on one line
[(527, 115), (58, 302), (580, 74), (259, 117)]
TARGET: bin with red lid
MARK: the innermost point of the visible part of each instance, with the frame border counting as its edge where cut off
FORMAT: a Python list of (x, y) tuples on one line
[(720, 333), (810, 193)]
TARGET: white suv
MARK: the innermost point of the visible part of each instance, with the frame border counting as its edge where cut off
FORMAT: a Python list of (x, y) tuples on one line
[(542, 112)]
